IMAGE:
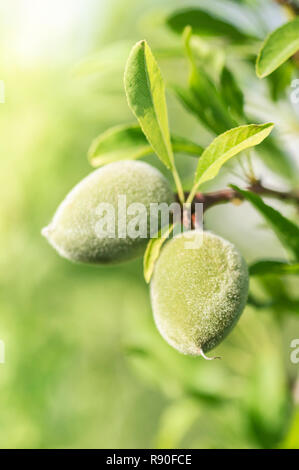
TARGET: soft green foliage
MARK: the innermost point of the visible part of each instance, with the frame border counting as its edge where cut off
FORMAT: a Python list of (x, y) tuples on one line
[(285, 229), (291, 439), (264, 267), (198, 292), (145, 91), (125, 142), (129, 142), (85, 365), (231, 92), (203, 97), (226, 146), (279, 80), (182, 145), (218, 107), (278, 47), (189, 101), (204, 24), (73, 230), (152, 252), (208, 102)]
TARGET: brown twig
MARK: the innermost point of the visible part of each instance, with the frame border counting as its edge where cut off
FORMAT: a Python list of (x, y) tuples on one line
[(291, 4), (230, 195)]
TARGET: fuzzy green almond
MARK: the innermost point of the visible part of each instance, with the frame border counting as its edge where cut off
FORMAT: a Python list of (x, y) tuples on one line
[(198, 291), (73, 230)]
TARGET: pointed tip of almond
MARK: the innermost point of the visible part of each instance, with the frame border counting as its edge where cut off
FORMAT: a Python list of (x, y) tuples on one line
[(202, 354), (46, 231)]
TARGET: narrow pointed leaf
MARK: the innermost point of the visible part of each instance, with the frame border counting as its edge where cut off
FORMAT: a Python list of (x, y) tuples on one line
[(273, 267), (152, 252), (192, 105), (182, 145), (204, 110), (231, 92), (206, 97), (270, 151), (280, 80), (204, 24), (145, 91), (285, 229), (119, 143), (226, 146), (278, 47), (128, 142)]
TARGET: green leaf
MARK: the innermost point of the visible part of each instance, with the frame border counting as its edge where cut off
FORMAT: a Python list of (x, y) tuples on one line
[(204, 96), (264, 267), (231, 92), (278, 47), (226, 146), (119, 143), (291, 439), (280, 80), (286, 231), (207, 98), (128, 142), (152, 252), (145, 91), (204, 24), (202, 110), (182, 145), (192, 105)]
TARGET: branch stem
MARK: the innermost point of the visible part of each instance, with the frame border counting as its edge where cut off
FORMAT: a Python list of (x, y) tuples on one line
[(223, 196), (291, 4)]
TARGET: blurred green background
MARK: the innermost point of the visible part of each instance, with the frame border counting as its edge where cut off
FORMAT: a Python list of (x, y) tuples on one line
[(85, 365)]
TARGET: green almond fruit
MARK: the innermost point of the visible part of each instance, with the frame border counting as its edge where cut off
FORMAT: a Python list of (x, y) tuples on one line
[(74, 231), (198, 291)]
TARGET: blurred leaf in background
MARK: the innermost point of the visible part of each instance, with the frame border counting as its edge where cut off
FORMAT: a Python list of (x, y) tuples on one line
[(85, 365)]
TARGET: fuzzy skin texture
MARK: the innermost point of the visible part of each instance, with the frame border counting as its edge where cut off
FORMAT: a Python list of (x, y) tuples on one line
[(72, 231), (198, 294)]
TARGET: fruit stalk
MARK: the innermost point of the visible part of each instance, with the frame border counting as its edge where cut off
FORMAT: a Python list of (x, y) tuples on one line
[(181, 195)]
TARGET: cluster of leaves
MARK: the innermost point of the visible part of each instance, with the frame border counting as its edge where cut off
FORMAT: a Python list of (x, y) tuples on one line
[(213, 95), (219, 106)]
